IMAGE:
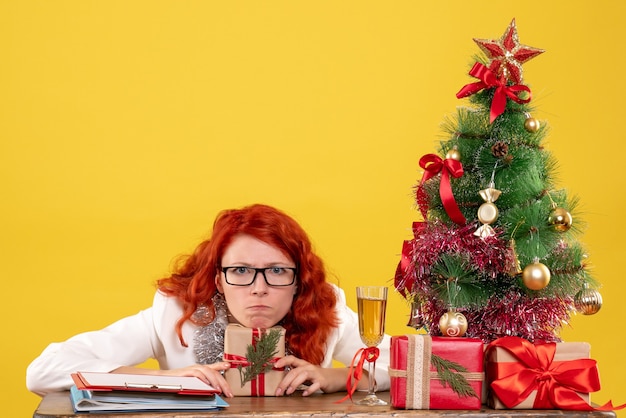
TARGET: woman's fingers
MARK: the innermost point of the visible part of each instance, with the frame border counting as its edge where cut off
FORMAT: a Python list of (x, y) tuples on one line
[(208, 373), (300, 372)]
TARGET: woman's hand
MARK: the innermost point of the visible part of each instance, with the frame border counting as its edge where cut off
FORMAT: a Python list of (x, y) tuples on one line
[(314, 377), (208, 373)]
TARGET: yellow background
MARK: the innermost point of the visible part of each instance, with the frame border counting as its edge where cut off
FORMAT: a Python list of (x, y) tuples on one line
[(125, 126)]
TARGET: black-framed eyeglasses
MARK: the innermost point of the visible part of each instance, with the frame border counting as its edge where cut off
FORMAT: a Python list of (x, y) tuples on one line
[(245, 276)]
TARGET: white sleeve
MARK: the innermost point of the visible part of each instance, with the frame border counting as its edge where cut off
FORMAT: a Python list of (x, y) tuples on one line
[(127, 342), (349, 342)]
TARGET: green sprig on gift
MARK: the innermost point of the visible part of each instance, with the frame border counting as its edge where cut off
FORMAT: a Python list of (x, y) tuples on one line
[(451, 375), (259, 355)]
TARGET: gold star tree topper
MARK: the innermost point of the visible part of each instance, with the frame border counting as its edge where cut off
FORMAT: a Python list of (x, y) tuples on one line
[(507, 54)]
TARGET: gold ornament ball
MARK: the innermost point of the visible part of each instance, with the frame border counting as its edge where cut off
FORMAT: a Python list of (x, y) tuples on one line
[(453, 324), (453, 154), (531, 125), (561, 219), (536, 276), (588, 301)]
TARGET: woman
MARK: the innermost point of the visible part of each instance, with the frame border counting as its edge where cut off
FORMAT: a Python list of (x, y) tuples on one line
[(257, 269)]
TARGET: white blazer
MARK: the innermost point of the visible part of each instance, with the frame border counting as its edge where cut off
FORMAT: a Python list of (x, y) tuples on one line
[(151, 334)]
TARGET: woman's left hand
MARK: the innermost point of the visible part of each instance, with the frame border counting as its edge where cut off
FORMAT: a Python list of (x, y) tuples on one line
[(301, 372)]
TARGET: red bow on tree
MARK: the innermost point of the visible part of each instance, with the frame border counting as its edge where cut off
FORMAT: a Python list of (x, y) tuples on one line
[(488, 79), (433, 165), (404, 278)]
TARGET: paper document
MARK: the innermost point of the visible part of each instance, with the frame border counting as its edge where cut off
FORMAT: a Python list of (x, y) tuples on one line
[(96, 381)]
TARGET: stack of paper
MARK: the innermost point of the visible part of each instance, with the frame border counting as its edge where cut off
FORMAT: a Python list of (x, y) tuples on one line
[(126, 392)]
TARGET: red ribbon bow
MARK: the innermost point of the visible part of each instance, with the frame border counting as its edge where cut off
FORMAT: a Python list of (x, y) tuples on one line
[(369, 354), (237, 360), (556, 382), (433, 165), (400, 281), (404, 278), (257, 385), (489, 79)]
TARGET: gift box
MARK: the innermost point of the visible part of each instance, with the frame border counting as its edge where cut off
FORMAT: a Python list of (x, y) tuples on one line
[(436, 372), (523, 375), (250, 354)]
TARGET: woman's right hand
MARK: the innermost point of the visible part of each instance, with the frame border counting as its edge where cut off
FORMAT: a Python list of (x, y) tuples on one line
[(208, 373)]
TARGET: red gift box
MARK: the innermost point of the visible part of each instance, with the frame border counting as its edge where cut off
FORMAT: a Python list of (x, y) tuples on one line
[(523, 375), (416, 383), (236, 341)]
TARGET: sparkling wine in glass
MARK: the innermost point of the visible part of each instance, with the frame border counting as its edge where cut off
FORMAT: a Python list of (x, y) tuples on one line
[(372, 305)]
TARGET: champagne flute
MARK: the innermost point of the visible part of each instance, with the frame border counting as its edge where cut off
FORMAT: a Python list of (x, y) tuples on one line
[(372, 303)]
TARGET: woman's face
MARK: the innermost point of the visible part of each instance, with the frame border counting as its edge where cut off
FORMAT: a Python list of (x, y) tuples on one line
[(257, 305)]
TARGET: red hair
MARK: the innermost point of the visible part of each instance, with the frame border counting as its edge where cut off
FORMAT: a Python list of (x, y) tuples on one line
[(312, 316)]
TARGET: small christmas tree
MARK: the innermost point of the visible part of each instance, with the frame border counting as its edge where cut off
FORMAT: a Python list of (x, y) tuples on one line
[(496, 253)]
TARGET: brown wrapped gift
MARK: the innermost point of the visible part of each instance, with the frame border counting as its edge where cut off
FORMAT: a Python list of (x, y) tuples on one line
[(499, 359), (236, 341)]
